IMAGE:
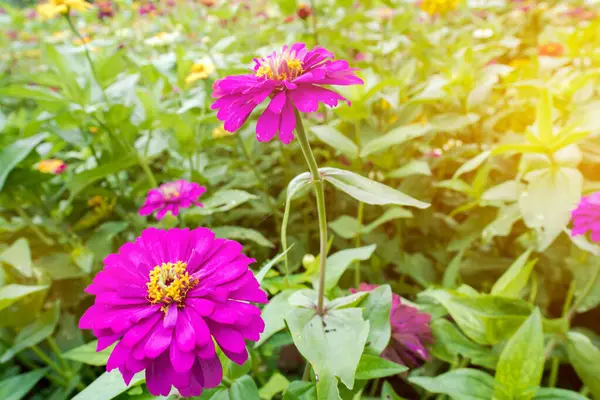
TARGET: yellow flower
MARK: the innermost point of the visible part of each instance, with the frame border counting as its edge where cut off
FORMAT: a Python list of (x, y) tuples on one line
[(518, 62), (51, 166), (79, 42), (52, 8), (439, 7), (93, 129), (220, 132), (199, 71)]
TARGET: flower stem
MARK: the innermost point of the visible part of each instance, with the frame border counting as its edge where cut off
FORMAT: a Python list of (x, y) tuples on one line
[(320, 194), (357, 243), (313, 11)]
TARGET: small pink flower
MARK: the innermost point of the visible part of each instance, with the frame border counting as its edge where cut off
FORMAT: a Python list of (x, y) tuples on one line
[(410, 331), (586, 217), (172, 196), (291, 79), (167, 299)]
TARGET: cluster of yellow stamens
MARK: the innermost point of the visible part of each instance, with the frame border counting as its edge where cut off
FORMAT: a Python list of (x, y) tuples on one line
[(169, 283), (170, 190), (281, 67)]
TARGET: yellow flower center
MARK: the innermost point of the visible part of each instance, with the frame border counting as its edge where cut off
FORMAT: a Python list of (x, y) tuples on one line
[(169, 283), (170, 191), (433, 7), (281, 67)]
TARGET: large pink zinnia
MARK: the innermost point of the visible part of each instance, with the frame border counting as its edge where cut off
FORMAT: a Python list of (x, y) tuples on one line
[(291, 79), (586, 217), (410, 331), (172, 196), (165, 297)]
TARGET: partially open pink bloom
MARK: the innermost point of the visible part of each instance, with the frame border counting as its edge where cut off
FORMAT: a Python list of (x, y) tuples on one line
[(410, 331), (291, 79), (586, 217), (172, 196), (164, 298)]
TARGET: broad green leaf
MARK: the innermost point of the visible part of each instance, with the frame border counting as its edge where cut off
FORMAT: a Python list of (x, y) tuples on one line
[(333, 344), (459, 384), (346, 227), (243, 388), (389, 215), (544, 117), (223, 200), (300, 390), (267, 267), (548, 200), (373, 367), (366, 190), (242, 234), (108, 386), (274, 314), (16, 152), (12, 293), (414, 167), (584, 357), (452, 122), (472, 164), (506, 191), (521, 364), (34, 333), (512, 282), (17, 387), (29, 92), (387, 392), (394, 137), (336, 139), (452, 272), (276, 384), (450, 343), (502, 225), (351, 300), (101, 241), (86, 178), (87, 354), (376, 309), (557, 394), (19, 256), (338, 263)]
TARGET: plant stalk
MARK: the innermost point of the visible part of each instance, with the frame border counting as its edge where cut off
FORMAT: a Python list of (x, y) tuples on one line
[(320, 194)]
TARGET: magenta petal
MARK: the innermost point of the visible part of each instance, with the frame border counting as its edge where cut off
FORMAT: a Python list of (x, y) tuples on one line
[(184, 332), (227, 338), (155, 376), (137, 333), (212, 372), (171, 318), (267, 126), (159, 340), (182, 361)]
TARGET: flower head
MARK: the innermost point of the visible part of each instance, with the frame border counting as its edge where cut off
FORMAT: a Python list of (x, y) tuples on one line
[(303, 11), (52, 8), (171, 197), (410, 331), (291, 79), (164, 298), (105, 9), (199, 71), (51, 166), (146, 8), (551, 50), (586, 217), (438, 7)]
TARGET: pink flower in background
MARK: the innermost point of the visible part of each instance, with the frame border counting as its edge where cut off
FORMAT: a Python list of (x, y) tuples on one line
[(164, 298), (586, 217), (410, 331), (171, 197), (291, 79)]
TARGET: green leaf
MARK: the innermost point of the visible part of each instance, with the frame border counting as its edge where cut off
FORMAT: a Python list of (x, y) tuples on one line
[(87, 354), (17, 387), (373, 367), (395, 137), (223, 200), (338, 263), (346, 227), (267, 267), (19, 256), (452, 122), (472, 164), (239, 233), (274, 314), (336, 139), (86, 178), (366, 190), (459, 384), (16, 152), (450, 343), (584, 357), (521, 364), (557, 394), (387, 392), (101, 241), (414, 167), (389, 215), (544, 117), (34, 333), (512, 282), (376, 309), (243, 388), (29, 92), (300, 390), (276, 384), (452, 272), (333, 344), (108, 386), (12, 293)]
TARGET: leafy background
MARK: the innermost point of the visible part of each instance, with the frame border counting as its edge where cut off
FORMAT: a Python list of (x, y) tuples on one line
[(462, 111)]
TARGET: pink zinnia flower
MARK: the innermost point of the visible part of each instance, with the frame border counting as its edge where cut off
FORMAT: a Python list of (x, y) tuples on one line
[(586, 217), (410, 331), (172, 196), (291, 79), (164, 298)]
